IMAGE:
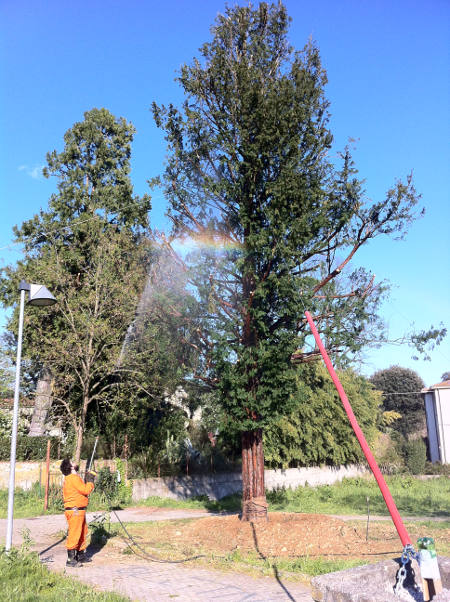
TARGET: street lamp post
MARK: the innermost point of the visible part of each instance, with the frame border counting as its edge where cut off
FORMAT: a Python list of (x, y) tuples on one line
[(40, 296)]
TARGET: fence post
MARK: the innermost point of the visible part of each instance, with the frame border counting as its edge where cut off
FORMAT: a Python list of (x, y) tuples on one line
[(47, 479)]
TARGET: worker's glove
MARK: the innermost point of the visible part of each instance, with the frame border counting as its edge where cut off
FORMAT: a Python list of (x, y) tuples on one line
[(90, 476)]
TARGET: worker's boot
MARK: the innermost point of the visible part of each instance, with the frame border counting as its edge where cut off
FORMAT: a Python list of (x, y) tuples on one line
[(82, 557), (72, 558)]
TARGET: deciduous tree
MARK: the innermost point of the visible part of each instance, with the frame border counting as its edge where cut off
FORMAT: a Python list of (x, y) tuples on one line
[(89, 249), (401, 393)]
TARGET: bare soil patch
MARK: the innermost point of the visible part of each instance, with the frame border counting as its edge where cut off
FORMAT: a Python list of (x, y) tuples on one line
[(288, 535), (283, 535)]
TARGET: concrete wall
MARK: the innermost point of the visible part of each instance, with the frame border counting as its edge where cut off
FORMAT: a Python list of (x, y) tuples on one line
[(217, 486), (28, 473)]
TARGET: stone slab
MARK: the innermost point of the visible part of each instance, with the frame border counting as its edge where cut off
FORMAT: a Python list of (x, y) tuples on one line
[(375, 583)]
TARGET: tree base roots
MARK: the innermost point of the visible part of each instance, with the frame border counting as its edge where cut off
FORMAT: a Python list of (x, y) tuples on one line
[(254, 509)]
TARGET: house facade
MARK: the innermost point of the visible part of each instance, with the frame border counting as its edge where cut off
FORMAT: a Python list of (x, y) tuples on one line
[(437, 409)]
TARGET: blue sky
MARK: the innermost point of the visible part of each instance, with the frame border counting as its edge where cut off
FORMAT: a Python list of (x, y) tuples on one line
[(388, 65)]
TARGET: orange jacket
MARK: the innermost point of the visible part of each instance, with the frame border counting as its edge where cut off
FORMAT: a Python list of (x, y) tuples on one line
[(76, 491)]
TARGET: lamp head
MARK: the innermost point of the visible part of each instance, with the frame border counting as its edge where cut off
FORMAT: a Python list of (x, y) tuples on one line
[(38, 294)]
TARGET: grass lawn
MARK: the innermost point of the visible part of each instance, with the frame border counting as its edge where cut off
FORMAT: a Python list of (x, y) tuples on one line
[(25, 579), (414, 497)]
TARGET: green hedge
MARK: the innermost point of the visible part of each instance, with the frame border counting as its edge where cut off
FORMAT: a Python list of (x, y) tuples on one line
[(31, 448), (416, 456)]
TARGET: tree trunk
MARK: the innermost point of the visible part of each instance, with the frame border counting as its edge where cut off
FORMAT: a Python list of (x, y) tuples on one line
[(42, 404), (77, 454), (254, 504)]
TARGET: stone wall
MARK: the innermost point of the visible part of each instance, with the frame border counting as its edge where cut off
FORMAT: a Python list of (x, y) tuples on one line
[(217, 486), (28, 473)]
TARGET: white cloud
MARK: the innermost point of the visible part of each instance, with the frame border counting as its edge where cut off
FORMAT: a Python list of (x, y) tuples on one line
[(34, 172)]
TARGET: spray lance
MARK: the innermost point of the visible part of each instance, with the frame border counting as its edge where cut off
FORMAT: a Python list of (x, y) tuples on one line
[(89, 466)]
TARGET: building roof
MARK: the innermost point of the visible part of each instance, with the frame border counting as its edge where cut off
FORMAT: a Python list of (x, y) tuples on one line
[(443, 385), (8, 403)]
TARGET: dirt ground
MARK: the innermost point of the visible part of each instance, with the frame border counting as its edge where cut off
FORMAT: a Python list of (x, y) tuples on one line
[(283, 535)]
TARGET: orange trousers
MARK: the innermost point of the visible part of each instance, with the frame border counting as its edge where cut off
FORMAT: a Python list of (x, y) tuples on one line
[(76, 538)]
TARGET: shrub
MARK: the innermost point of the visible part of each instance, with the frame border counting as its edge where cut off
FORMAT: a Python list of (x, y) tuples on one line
[(388, 452), (111, 486), (106, 483), (437, 469), (32, 448), (415, 456)]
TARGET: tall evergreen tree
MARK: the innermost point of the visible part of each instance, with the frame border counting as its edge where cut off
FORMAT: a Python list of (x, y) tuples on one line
[(89, 249), (249, 170)]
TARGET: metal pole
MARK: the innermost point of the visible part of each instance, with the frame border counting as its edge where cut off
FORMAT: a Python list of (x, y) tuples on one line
[(92, 456), (12, 463), (393, 511)]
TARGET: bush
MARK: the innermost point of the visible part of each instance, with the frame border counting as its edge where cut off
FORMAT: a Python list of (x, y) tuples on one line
[(111, 488), (388, 452), (416, 456), (106, 483), (437, 469), (32, 448)]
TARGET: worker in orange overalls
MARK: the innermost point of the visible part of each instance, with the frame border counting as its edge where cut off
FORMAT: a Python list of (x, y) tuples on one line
[(75, 495)]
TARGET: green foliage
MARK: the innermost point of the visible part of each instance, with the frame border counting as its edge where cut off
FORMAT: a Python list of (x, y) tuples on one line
[(25, 578), (249, 171), (6, 374), (401, 393), (156, 355), (88, 249), (124, 489), (318, 431), (416, 456), (388, 452), (6, 425), (111, 487), (389, 417), (31, 448), (144, 465), (106, 482), (437, 469), (165, 431), (30, 502)]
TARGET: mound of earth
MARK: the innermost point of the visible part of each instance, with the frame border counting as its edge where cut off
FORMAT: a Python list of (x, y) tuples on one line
[(284, 534)]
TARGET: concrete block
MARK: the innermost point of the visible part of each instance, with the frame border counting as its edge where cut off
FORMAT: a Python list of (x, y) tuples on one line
[(375, 583)]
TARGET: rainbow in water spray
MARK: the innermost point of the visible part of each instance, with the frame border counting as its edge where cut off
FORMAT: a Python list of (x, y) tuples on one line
[(218, 242)]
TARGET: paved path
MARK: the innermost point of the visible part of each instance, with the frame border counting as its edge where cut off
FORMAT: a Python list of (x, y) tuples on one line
[(142, 580)]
